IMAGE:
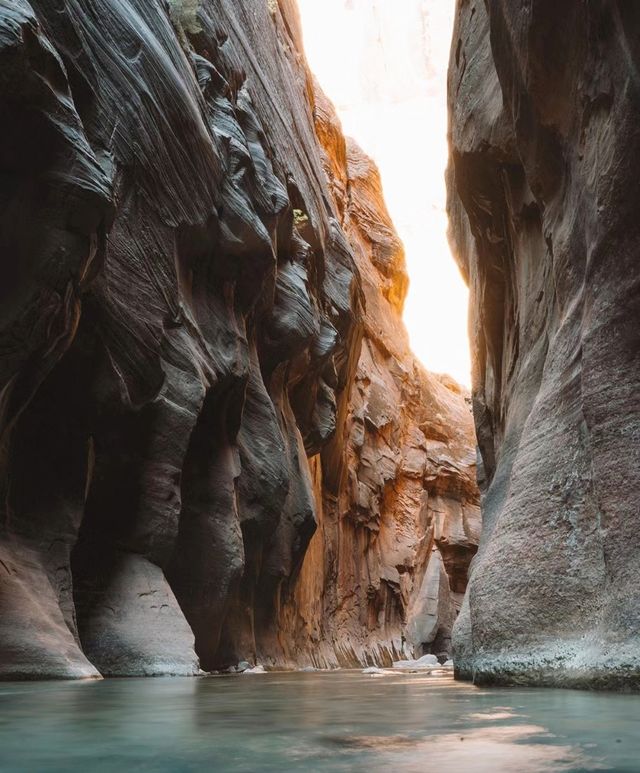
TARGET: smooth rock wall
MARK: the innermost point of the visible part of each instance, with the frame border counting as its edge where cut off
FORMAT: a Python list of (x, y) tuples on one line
[(543, 187)]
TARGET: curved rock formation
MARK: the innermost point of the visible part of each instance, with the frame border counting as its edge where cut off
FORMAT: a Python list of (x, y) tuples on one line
[(181, 324), (543, 201), (178, 316)]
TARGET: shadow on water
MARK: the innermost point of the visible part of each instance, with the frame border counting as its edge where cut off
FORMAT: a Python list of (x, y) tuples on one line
[(339, 721)]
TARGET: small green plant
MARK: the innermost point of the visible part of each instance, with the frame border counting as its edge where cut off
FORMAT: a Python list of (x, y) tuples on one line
[(185, 14), (300, 217)]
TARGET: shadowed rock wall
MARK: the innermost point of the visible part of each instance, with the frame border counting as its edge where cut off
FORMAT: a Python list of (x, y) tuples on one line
[(179, 313), (180, 326), (543, 185)]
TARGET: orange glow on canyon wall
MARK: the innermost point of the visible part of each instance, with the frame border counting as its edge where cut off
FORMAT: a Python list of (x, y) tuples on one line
[(384, 65)]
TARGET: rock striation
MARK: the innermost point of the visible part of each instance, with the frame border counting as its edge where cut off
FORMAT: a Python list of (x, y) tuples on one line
[(183, 380), (543, 202), (178, 317)]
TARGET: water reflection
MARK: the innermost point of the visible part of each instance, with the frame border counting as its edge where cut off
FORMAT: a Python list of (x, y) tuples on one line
[(341, 721)]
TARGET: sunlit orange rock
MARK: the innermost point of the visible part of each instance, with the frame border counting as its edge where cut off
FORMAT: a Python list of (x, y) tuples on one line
[(398, 518)]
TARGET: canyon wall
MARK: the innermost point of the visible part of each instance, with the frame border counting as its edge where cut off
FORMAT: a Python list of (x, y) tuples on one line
[(189, 380), (398, 515), (543, 190)]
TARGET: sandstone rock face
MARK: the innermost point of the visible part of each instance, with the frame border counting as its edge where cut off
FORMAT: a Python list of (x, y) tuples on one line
[(181, 322), (399, 517), (178, 313), (543, 201)]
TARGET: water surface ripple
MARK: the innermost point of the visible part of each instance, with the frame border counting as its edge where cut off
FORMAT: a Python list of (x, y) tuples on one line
[(337, 721)]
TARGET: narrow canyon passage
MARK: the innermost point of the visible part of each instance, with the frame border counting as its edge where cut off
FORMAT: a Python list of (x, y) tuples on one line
[(221, 457), (219, 447)]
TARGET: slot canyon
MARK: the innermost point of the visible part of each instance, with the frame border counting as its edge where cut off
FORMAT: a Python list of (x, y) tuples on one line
[(217, 444)]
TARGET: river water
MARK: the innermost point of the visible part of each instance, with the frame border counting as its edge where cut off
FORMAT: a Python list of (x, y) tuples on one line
[(335, 721)]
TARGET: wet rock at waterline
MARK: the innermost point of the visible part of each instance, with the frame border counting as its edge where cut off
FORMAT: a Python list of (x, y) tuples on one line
[(543, 186), (190, 385)]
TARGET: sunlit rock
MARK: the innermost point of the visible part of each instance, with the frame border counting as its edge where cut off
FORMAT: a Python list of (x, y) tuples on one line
[(399, 521), (429, 662), (255, 670)]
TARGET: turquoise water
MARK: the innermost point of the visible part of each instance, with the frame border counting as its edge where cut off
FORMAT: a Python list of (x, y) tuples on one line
[(338, 721)]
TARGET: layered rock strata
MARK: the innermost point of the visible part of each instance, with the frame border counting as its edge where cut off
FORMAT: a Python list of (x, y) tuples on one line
[(543, 201), (180, 327)]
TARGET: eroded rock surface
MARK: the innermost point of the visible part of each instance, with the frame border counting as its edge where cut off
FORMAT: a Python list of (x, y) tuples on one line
[(399, 518), (181, 323), (179, 302), (543, 189)]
